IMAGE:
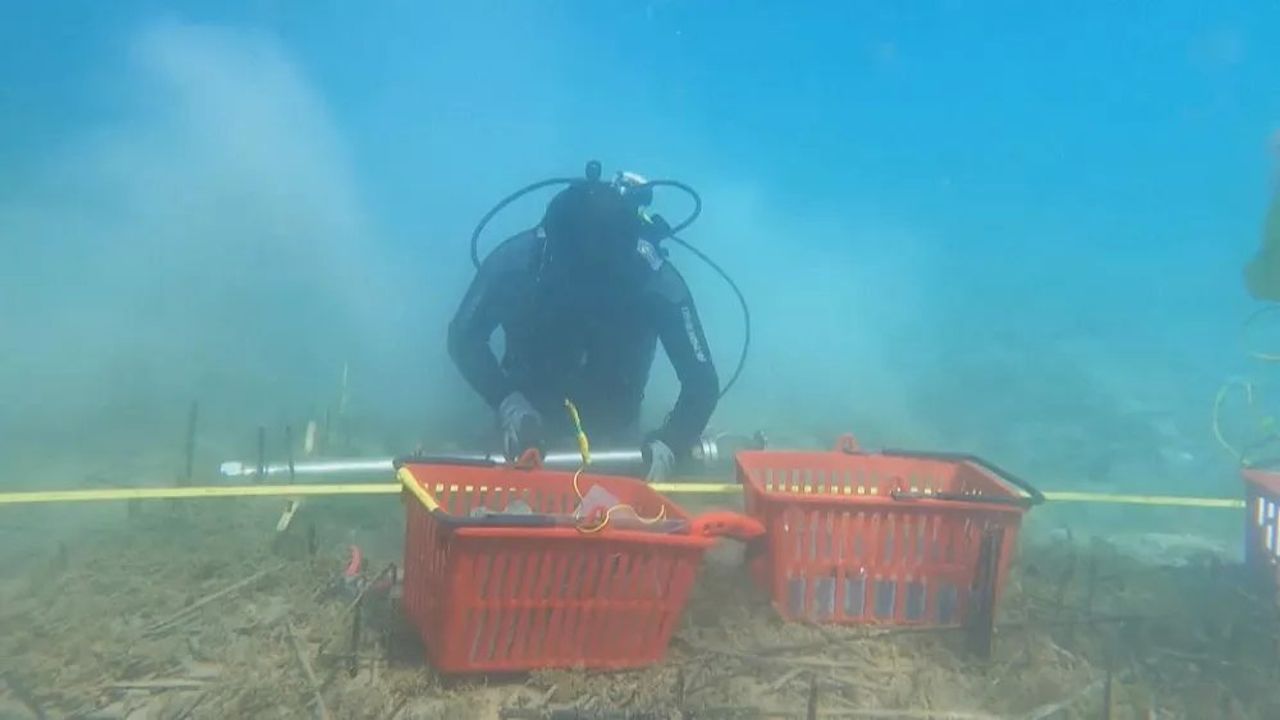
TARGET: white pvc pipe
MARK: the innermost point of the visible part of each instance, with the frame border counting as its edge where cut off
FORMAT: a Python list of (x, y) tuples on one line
[(352, 466)]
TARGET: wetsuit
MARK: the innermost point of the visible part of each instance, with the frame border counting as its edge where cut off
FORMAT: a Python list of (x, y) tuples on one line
[(1262, 274), (586, 336)]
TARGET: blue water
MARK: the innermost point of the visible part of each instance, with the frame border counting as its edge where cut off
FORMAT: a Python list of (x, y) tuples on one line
[(1013, 229), (1017, 229)]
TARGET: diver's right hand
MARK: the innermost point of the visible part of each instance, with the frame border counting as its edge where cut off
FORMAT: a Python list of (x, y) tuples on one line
[(521, 425)]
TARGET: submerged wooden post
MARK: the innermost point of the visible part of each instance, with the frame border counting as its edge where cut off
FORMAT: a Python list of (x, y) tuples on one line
[(288, 444), (262, 454), (812, 710), (189, 454), (186, 478), (982, 597)]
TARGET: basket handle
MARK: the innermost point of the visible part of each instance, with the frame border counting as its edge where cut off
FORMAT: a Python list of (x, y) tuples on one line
[(725, 523), (1035, 497)]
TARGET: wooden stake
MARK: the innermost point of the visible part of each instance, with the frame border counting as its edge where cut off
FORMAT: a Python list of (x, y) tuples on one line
[(177, 617), (307, 671), (190, 448), (262, 454)]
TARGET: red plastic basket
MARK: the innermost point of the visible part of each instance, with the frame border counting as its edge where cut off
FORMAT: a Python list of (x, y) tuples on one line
[(1262, 527), (888, 538), (511, 593)]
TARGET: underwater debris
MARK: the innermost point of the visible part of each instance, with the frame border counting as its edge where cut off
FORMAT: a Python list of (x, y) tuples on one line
[(178, 617), (732, 657), (307, 671), (23, 695)]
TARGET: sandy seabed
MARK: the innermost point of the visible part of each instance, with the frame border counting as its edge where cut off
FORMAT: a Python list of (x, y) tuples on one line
[(201, 610)]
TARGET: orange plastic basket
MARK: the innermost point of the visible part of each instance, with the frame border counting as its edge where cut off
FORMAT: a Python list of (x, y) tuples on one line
[(512, 593), (889, 538)]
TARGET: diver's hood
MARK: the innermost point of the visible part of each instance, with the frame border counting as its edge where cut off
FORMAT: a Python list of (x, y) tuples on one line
[(590, 224)]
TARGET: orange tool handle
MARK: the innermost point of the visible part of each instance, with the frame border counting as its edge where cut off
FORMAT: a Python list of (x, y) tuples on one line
[(530, 459), (848, 444), (725, 523)]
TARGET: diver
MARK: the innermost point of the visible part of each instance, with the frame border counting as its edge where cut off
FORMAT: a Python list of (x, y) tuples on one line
[(583, 299), (1262, 274)]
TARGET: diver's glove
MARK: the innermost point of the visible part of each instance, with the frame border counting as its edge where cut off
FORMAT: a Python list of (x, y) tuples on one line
[(521, 425), (661, 460)]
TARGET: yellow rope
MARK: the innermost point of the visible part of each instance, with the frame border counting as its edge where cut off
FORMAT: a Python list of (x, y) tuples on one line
[(584, 449)]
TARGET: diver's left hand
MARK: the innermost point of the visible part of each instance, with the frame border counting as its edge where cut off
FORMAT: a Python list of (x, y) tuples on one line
[(662, 460)]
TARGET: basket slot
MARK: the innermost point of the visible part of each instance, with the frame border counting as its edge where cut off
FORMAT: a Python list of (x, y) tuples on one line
[(586, 636), (890, 543), (948, 601), (613, 594), (556, 620), (511, 611), (526, 592), (500, 498), (509, 619), (628, 584), (915, 601), (540, 593), (854, 588), (579, 614), (571, 619), (886, 597), (487, 627)]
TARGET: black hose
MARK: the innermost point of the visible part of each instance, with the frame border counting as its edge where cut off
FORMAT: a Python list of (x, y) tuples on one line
[(697, 202), (475, 235), (742, 301)]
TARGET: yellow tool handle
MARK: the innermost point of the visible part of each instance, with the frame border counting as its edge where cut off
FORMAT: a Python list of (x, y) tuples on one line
[(584, 446)]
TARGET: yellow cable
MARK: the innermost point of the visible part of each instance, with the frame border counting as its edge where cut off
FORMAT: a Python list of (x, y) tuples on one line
[(584, 449), (1244, 332), (584, 446), (1217, 415), (1267, 423), (608, 514)]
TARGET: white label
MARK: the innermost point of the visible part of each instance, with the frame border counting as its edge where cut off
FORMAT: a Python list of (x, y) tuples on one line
[(698, 352)]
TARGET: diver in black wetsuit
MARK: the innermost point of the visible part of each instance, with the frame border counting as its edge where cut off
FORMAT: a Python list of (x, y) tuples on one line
[(1262, 274), (582, 300)]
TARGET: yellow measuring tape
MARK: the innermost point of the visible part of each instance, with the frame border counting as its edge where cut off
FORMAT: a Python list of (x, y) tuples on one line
[(674, 488)]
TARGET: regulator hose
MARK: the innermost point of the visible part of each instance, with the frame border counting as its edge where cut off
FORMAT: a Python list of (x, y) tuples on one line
[(742, 301), (475, 235)]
